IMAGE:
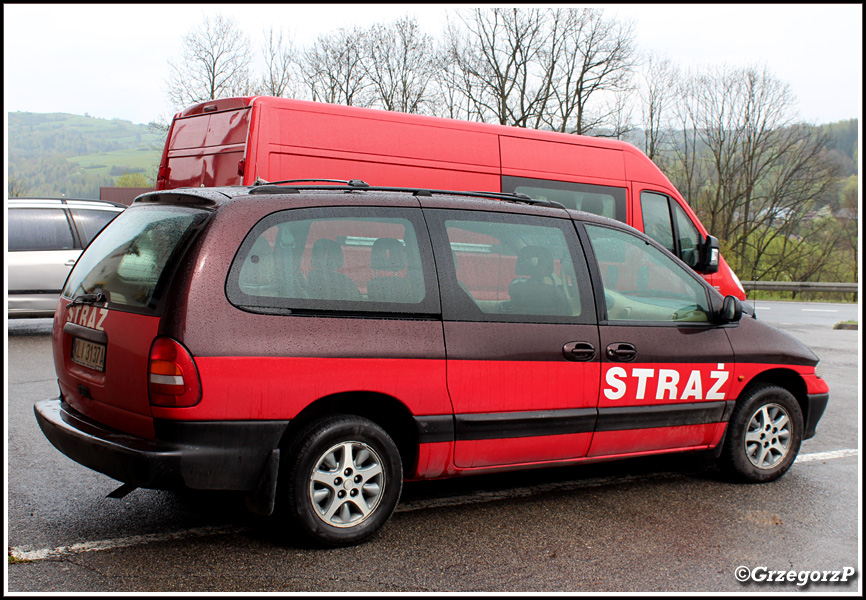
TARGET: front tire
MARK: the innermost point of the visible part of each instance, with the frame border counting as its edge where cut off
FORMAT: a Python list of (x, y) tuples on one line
[(343, 480), (764, 435)]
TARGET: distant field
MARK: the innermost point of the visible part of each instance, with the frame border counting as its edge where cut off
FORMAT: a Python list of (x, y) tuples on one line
[(101, 163)]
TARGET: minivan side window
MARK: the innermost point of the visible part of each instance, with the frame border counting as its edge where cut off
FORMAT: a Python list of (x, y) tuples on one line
[(500, 267), (642, 283), (679, 235), (603, 200), (90, 222), (336, 259), (39, 229)]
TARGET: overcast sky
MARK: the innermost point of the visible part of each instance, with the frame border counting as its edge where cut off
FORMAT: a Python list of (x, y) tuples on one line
[(111, 61)]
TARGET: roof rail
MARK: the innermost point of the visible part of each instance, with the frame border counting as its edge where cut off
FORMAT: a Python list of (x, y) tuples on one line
[(358, 185), (65, 200), (351, 183)]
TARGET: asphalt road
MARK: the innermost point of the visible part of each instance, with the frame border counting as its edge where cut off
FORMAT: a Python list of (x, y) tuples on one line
[(642, 525), (805, 313)]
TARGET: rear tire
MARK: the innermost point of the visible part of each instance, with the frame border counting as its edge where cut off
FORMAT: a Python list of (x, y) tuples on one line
[(342, 481), (764, 435)]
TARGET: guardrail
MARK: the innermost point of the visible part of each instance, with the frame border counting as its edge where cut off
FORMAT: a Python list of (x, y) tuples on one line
[(800, 286)]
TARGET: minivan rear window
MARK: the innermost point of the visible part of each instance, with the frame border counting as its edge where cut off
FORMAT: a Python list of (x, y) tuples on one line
[(128, 260)]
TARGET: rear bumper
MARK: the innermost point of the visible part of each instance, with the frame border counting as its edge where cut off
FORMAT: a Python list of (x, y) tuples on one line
[(227, 455)]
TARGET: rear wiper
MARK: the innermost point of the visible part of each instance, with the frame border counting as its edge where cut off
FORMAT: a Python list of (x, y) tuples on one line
[(95, 298)]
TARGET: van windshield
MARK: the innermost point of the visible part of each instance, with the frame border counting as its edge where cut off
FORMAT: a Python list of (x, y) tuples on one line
[(127, 260)]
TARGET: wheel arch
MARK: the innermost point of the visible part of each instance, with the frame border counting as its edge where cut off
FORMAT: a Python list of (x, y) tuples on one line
[(384, 410), (784, 378)]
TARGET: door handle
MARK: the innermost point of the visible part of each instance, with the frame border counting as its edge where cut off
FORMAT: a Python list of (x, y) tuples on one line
[(69, 263), (578, 351), (621, 351)]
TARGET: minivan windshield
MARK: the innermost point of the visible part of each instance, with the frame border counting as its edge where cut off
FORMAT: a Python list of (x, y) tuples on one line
[(127, 260)]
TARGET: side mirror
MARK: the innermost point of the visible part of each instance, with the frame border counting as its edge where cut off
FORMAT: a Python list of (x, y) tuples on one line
[(732, 310), (710, 256)]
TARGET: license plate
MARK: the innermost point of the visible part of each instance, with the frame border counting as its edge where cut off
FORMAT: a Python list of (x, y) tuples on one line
[(88, 354)]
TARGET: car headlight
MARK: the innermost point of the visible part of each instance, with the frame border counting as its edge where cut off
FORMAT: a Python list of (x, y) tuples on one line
[(819, 370)]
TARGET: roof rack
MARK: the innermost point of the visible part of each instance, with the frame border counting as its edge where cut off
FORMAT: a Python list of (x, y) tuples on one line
[(354, 185)]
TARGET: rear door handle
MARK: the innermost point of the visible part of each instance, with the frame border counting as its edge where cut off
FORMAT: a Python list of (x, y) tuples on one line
[(70, 263), (578, 351), (621, 351)]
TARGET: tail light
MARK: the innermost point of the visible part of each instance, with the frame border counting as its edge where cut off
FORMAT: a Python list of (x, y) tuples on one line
[(172, 377)]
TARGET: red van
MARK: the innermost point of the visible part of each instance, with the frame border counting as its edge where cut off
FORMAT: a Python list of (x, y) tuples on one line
[(241, 141)]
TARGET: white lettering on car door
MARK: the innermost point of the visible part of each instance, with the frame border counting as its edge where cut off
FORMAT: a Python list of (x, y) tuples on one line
[(619, 383)]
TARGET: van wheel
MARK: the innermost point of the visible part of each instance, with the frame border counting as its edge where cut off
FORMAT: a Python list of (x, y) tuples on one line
[(764, 435), (343, 480)]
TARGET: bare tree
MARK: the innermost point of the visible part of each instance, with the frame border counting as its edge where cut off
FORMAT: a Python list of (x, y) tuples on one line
[(215, 63), (596, 59), (455, 88), (658, 91), (279, 59), (748, 169), (16, 187), (498, 62), (400, 66), (562, 69), (333, 68)]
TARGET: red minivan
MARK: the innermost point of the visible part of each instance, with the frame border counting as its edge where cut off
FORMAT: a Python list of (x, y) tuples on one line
[(241, 141), (315, 346)]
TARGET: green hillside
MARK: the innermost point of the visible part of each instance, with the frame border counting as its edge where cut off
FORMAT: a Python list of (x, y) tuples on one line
[(57, 153)]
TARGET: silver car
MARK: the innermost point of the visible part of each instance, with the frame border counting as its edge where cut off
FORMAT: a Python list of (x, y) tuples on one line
[(46, 236)]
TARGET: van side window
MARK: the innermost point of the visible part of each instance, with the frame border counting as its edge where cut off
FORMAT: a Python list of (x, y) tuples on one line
[(657, 219), (643, 284), (690, 238), (39, 229), (679, 235), (512, 268), (335, 259), (597, 199)]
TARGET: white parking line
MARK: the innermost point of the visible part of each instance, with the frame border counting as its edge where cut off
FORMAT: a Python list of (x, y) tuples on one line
[(826, 455), (22, 554), (818, 310), (19, 554)]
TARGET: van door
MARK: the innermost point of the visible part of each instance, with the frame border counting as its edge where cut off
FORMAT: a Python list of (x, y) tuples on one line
[(520, 335), (666, 367), (206, 149), (109, 314)]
